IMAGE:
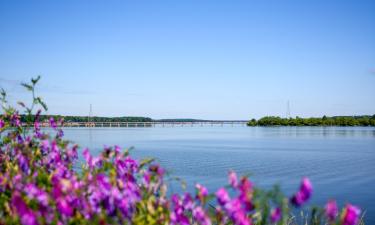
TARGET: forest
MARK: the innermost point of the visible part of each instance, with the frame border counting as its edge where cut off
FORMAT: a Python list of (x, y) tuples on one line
[(91, 119), (314, 121)]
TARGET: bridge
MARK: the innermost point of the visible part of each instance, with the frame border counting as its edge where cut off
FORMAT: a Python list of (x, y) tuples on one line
[(154, 124)]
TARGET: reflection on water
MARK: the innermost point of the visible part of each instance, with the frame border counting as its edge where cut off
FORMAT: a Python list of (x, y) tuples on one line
[(339, 160)]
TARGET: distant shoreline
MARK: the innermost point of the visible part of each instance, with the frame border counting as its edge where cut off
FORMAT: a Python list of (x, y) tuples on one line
[(338, 121), (341, 121)]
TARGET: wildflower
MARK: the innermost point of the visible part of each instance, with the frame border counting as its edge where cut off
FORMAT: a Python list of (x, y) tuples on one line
[(222, 196), (236, 212), (37, 129), (52, 123), (27, 216), (33, 192), (157, 169), (200, 216), (23, 163), (202, 192), (303, 193), (331, 210), (60, 133), (275, 215), (187, 201), (88, 157), (178, 216), (246, 192), (351, 215), (233, 206), (15, 120), (2, 123), (103, 182), (64, 207), (37, 123), (146, 179), (44, 145), (232, 177)]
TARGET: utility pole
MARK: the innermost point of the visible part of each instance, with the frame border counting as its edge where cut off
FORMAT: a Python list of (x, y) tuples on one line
[(90, 114), (288, 110)]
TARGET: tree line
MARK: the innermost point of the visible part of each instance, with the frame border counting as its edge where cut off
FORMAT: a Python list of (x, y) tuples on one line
[(314, 121), (91, 119)]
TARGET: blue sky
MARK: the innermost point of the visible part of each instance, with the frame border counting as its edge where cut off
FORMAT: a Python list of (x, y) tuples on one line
[(192, 59)]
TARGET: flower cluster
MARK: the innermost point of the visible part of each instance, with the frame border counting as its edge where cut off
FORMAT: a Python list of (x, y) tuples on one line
[(41, 184)]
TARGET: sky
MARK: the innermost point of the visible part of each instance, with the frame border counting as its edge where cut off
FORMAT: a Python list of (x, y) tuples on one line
[(192, 59)]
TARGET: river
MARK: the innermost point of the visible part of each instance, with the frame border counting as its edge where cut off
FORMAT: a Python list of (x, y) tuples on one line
[(340, 161)]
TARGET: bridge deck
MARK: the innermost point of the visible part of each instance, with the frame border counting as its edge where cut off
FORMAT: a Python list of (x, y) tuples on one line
[(150, 124)]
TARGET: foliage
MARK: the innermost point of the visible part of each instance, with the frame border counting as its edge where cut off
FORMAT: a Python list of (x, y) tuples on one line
[(324, 121), (91, 119), (39, 184)]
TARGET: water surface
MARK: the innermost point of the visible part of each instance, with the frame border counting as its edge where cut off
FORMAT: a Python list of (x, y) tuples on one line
[(340, 161)]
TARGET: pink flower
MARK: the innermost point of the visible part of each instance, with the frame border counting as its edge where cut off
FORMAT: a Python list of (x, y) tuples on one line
[(239, 218), (303, 194), (200, 216), (27, 216), (275, 215), (202, 192), (331, 210), (15, 120), (88, 157), (351, 215), (222, 196), (232, 177), (2, 123), (52, 123), (246, 191), (64, 207)]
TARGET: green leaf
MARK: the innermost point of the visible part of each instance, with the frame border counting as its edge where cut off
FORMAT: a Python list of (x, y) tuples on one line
[(27, 86), (34, 81), (146, 161), (21, 104), (39, 101)]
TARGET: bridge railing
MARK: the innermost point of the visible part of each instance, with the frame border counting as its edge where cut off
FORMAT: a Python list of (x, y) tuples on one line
[(149, 124)]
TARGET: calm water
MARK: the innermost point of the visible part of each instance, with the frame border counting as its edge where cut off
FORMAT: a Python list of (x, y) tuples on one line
[(339, 161)]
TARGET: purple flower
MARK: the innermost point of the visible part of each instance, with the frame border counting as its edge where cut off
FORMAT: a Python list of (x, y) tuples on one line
[(23, 163), (202, 192), (33, 192), (178, 216), (232, 177), (37, 129), (236, 212), (222, 196), (200, 216), (44, 145), (233, 206), (246, 192), (52, 123), (29, 219), (240, 218), (303, 193), (15, 120), (146, 179), (60, 133), (187, 201), (275, 215), (64, 207), (351, 215), (103, 182), (88, 157), (27, 216), (2, 123), (18, 204), (331, 210)]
